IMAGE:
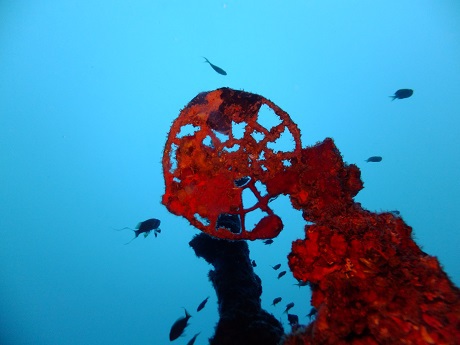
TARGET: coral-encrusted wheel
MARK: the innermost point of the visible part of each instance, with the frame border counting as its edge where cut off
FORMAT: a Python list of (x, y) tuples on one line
[(223, 142)]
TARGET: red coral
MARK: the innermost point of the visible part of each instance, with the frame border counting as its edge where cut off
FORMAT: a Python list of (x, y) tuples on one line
[(371, 283), (205, 168)]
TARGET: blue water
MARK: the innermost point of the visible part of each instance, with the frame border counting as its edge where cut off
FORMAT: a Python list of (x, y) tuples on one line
[(89, 89)]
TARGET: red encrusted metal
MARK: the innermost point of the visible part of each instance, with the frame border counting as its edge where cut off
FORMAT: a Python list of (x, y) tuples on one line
[(204, 166), (371, 283)]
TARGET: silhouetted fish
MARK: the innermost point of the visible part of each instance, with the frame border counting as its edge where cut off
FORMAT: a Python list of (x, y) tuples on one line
[(192, 341), (374, 159), (293, 320), (266, 242), (288, 307), (145, 228), (282, 273), (395, 212), (179, 326), (241, 182), (202, 304), (253, 263), (402, 93), (276, 301), (215, 68), (277, 266)]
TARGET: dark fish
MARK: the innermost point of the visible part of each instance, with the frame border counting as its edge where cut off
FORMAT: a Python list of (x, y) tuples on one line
[(402, 93), (215, 68), (293, 320), (374, 159), (145, 228), (282, 273), (395, 212), (253, 263), (266, 242), (288, 307), (241, 182), (202, 304), (276, 301), (179, 326), (301, 283), (313, 312), (192, 341), (277, 266)]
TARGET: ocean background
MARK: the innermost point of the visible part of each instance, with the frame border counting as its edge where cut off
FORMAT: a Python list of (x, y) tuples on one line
[(89, 89)]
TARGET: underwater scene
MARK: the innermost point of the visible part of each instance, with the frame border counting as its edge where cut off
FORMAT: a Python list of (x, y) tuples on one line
[(229, 172)]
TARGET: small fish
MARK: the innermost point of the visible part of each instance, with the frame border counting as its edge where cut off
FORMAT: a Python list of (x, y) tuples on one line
[(179, 326), (395, 212), (288, 307), (293, 320), (241, 182), (282, 273), (267, 242), (374, 159), (276, 301), (402, 93), (301, 283), (313, 312), (145, 228), (253, 263), (202, 304), (215, 68), (192, 341), (276, 267)]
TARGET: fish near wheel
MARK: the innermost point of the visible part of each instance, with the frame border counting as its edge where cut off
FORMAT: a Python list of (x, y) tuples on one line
[(219, 146)]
